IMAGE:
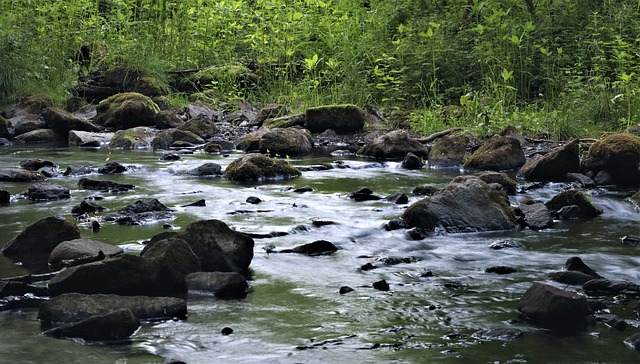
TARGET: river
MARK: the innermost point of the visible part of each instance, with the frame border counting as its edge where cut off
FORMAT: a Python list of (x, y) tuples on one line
[(294, 312)]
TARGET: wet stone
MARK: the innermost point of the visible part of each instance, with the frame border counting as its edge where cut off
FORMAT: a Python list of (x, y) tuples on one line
[(112, 168), (381, 285), (253, 200), (345, 290), (503, 244)]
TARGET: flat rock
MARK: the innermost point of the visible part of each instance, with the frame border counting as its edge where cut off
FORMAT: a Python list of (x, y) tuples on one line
[(116, 325), (80, 250)]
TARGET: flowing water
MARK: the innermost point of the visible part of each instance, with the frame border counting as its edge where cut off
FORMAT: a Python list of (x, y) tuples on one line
[(294, 312)]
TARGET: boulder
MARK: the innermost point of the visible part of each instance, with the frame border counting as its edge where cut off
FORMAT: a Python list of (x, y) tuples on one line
[(125, 111), (497, 154), (199, 110), (35, 243), (575, 264), (601, 286), (553, 166), (92, 184), (35, 164), (287, 121), (570, 277), (448, 151), (286, 142), (536, 215), (124, 275), (551, 306), (411, 161), (33, 104), (219, 248), (16, 288), (80, 251), (586, 209), (343, 119), (467, 204), (62, 122), (206, 170), (168, 138), (619, 156), (257, 167), (174, 259), (635, 198), (112, 168), (200, 126), (221, 284), (74, 307), (363, 194), (393, 145), (135, 138), (7, 130), (20, 175), (26, 123), (507, 184), (141, 206), (398, 198), (116, 325), (167, 119), (89, 139), (318, 247), (40, 136), (42, 191), (5, 196)]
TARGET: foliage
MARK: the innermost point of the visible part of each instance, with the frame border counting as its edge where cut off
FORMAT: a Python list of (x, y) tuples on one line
[(562, 67)]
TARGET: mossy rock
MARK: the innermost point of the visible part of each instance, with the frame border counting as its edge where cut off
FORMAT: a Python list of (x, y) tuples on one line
[(286, 141), (151, 87), (63, 122), (199, 126), (448, 151), (619, 156), (226, 76), (497, 154), (36, 103), (6, 128), (126, 110), (258, 167), (343, 119), (134, 138), (573, 198), (40, 136)]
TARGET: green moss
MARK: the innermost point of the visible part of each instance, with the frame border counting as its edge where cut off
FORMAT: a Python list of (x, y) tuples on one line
[(35, 103)]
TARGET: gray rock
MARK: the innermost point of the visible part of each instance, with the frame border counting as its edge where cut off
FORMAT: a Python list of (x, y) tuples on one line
[(570, 277), (136, 138), (72, 252), (548, 305), (507, 184), (206, 170), (536, 215), (174, 259), (40, 136), (497, 154), (35, 164), (62, 122), (619, 156), (448, 151), (222, 284), (610, 287), (89, 139), (116, 325), (200, 126), (319, 247), (26, 123), (343, 119), (553, 166), (18, 175), (393, 145), (42, 191), (286, 142), (74, 307), (6, 128), (167, 119), (112, 168), (574, 197), (91, 184), (411, 161)]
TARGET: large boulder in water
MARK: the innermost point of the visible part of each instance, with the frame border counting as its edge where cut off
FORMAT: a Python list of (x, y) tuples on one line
[(35, 243), (343, 119), (219, 248), (551, 306), (40, 136), (70, 252), (257, 167), (62, 122), (126, 110), (116, 325), (135, 138), (393, 145), (467, 204), (584, 207), (174, 259), (89, 139), (553, 166), (497, 154), (74, 307), (43, 191), (286, 141), (20, 175), (448, 151), (619, 156)]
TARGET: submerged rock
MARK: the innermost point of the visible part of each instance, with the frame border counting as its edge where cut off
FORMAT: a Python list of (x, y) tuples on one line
[(91, 184), (116, 325), (35, 164), (467, 204), (112, 168), (222, 284), (256, 167), (363, 194), (19, 175), (551, 306), (318, 247)]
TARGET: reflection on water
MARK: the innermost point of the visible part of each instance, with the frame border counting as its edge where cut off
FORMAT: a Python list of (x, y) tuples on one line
[(294, 312)]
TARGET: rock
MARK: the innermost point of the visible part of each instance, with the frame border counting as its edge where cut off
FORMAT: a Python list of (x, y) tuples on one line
[(218, 247), (619, 156), (582, 180), (91, 184), (467, 204), (112, 168), (62, 122), (576, 264), (35, 243), (170, 157), (124, 275), (411, 161), (502, 334), (141, 206), (116, 325), (507, 184), (42, 191), (448, 151), (167, 119), (573, 197), (74, 307), (345, 290), (363, 194), (425, 190), (635, 198), (503, 244), (212, 148), (536, 215), (286, 121), (174, 259), (570, 277), (553, 166), (7, 130), (633, 341), (33, 104), (15, 288), (89, 139), (253, 200), (286, 142), (603, 178), (600, 286), (398, 198), (268, 111), (35, 164), (206, 170), (393, 145), (257, 167), (500, 269), (18, 175), (26, 123), (318, 247), (222, 284), (343, 119), (86, 111), (79, 251), (169, 138), (381, 285), (136, 138), (497, 154), (5, 196), (40, 136), (200, 126), (201, 110), (548, 305), (125, 111)]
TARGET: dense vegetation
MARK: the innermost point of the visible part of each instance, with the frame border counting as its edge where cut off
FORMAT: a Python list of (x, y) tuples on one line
[(554, 68)]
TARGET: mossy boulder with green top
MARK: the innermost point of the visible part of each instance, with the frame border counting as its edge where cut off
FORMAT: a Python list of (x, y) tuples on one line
[(126, 110), (258, 167), (619, 156)]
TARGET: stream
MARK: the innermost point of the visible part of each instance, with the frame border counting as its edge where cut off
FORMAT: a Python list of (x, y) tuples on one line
[(294, 312)]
